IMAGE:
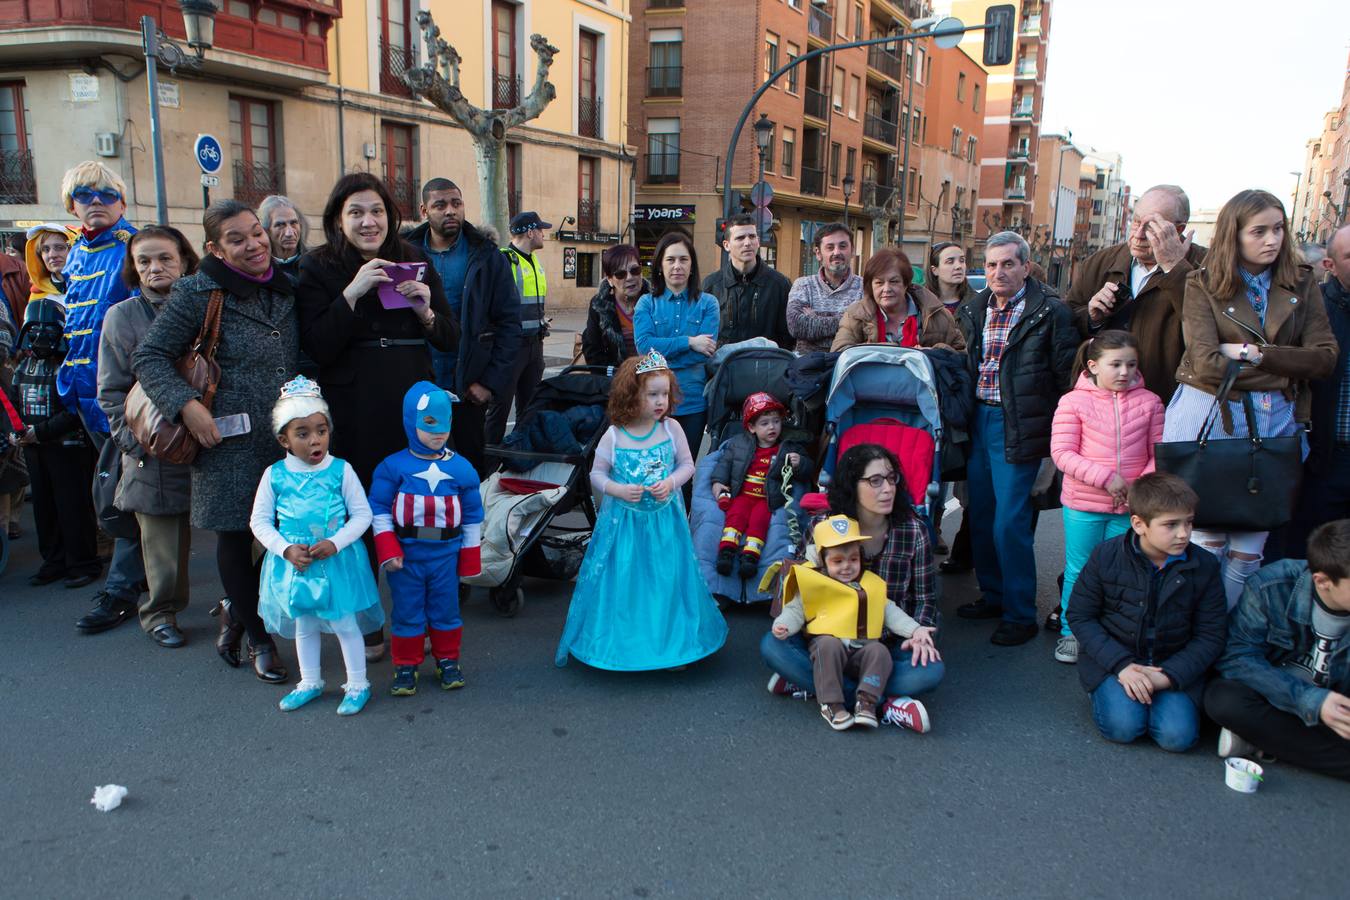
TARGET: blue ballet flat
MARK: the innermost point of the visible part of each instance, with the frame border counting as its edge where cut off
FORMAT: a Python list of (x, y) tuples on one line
[(299, 697), (354, 701)]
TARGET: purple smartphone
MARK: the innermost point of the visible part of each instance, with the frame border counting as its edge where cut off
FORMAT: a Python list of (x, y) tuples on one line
[(399, 273)]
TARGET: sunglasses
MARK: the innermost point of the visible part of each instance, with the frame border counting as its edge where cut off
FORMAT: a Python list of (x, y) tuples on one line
[(86, 196), (634, 270), (876, 481)]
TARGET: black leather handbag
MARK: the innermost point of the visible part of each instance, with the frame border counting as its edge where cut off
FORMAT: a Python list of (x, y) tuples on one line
[(1245, 484)]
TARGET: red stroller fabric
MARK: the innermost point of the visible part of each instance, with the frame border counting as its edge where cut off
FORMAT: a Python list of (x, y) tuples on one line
[(914, 447)]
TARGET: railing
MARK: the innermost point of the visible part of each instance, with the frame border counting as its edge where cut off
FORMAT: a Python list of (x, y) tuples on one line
[(875, 194), (665, 4), (1022, 111), (1017, 153), (665, 81), (813, 180), (817, 104), (878, 129), (1026, 68), (17, 184), (1031, 25), (588, 214), (884, 61), (254, 181), (505, 91), (1015, 191), (819, 23), (404, 191), (590, 118), (663, 168), (394, 62)]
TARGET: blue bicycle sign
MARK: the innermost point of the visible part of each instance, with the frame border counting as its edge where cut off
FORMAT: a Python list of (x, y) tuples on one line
[(209, 154)]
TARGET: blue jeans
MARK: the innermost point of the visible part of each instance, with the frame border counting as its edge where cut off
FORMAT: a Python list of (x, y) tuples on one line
[(791, 659), (1082, 532), (1002, 524), (1172, 720)]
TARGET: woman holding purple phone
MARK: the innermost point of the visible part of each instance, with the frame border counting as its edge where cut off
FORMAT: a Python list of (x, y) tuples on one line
[(368, 354)]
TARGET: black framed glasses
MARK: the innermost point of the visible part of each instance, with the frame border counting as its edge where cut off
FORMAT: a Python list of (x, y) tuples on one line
[(876, 481), (87, 195)]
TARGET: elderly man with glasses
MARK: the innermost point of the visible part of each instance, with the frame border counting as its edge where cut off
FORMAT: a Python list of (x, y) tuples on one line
[(93, 274)]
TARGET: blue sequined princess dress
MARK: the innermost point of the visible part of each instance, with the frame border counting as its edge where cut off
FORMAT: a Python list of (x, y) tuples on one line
[(310, 508), (640, 601)]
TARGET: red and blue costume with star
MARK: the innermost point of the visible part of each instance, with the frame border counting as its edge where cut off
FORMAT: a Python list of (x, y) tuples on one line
[(427, 512)]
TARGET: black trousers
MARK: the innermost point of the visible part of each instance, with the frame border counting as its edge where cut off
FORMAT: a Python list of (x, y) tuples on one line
[(467, 435), (63, 508), (1322, 499), (1244, 711), (529, 369), (239, 575)]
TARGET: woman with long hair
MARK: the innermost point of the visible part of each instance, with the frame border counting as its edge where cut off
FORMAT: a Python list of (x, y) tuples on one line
[(256, 353), (947, 269), (869, 486), (1250, 304)]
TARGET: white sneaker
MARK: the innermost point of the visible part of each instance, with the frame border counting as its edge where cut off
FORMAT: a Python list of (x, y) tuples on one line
[(1066, 650), (905, 712), (1231, 744)]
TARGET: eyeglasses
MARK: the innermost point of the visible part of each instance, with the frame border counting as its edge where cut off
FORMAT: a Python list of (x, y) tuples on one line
[(86, 196), (634, 270), (876, 481)]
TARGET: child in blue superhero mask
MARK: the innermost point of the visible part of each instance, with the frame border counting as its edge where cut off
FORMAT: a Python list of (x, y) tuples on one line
[(428, 517)]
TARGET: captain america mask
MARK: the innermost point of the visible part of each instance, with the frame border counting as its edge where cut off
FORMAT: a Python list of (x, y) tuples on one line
[(427, 413)]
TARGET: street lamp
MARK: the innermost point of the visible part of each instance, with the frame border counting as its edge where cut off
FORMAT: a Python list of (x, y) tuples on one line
[(1293, 213), (199, 21), (848, 192), (763, 135)]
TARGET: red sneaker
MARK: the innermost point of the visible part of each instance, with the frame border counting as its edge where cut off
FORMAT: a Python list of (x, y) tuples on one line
[(781, 687), (905, 712)]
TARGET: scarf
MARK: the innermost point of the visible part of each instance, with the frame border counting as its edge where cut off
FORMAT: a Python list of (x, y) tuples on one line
[(909, 331), (1258, 289), (242, 284)]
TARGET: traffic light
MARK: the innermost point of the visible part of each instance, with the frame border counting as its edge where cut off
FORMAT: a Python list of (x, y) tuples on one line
[(999, 34)]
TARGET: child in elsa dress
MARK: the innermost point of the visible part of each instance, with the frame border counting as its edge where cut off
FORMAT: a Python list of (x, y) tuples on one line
[(309, 514), (640, 601)]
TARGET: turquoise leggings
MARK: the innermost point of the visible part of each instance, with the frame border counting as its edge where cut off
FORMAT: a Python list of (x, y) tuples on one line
[(1083, 531)]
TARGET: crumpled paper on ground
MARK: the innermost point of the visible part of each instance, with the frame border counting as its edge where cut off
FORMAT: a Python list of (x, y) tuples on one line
[(108, 797)]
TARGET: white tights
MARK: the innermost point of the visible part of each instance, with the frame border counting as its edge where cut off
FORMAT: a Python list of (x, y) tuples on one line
[(353, 651), (1239, 553)]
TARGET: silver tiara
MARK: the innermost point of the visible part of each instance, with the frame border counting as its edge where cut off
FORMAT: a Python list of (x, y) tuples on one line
[(652, 362)]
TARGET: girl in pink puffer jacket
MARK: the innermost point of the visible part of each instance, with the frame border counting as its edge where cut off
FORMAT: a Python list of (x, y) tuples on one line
[(1102, 440)]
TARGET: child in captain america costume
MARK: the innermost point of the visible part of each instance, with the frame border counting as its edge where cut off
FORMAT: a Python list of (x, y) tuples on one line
[(428, 520)]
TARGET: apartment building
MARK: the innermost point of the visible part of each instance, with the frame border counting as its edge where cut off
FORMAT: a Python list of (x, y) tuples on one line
[(948, 181), (1110, 198), (1323, 186), (1057, 204)]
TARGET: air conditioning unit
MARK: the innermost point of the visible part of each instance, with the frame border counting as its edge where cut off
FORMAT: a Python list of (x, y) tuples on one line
[(105, 143)]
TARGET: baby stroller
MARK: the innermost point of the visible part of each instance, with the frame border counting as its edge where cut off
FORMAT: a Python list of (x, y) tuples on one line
[(535, 485), (883, 394), (742, 373)]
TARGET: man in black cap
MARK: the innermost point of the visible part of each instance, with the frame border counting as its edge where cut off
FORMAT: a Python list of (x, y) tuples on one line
[(527, 236)]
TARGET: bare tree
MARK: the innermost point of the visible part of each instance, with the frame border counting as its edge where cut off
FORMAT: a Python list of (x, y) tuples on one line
[(438, 81)]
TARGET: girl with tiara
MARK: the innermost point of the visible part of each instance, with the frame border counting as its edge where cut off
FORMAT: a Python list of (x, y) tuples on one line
[(640, 601), (309, 513)]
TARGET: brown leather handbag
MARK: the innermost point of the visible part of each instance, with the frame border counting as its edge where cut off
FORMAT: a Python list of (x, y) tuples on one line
[(165, 440)]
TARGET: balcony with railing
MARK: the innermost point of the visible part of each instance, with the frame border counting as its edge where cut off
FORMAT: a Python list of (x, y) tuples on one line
[(663, 168), (665, 4), (588, 214), (590, 117), (813, 181), (884, 61), (1026, 68), (1018, 154), (1031, 26), (394, 62), (665, 81), (879, 129), (17, 184), (1022, 110), (817, 105), (875, 194), (255, 180), (505, 91), (820, 24), (1015, 189)]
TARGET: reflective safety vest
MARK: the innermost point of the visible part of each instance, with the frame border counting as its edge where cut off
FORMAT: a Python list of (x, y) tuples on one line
[(533, 287), (838, 609)]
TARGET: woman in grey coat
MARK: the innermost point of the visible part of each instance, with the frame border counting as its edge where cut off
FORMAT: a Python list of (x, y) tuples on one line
[(257, 354), (155, 491)]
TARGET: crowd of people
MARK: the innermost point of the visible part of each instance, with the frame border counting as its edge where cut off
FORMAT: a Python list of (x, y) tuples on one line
[(351, 390)]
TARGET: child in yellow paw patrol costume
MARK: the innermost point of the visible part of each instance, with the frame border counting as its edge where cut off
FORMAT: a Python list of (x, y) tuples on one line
[(843, 610)]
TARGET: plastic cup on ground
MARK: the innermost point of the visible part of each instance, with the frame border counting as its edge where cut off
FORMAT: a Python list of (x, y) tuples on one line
[(1242, 775)]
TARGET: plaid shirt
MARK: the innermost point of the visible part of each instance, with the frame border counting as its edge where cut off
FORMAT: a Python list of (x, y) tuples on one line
[(998, 324), (1343, 407), (905, 563)]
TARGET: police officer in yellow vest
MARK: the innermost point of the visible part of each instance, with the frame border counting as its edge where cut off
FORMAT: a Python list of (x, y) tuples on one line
[(527, 236)]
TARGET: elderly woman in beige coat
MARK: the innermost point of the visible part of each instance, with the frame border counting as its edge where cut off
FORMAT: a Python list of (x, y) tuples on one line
[(894, 310)]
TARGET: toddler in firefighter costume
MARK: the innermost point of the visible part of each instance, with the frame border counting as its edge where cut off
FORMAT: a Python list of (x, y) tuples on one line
[(747, 481), (428, 523), (309, 513), (843, 610)]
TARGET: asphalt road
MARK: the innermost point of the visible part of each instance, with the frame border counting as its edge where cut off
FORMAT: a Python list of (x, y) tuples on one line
[(542, 782)]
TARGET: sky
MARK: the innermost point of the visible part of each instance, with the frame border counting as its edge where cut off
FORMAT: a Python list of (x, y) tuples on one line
[(1214, 95)]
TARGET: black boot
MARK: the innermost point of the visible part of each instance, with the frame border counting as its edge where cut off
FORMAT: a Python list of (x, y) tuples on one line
[(265, 664), (726, 558), (749, 566), (231, 633)]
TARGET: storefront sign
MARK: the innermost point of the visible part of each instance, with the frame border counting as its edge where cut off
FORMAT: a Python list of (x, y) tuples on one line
[(673, 213), (569, 262), (588, 237)]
